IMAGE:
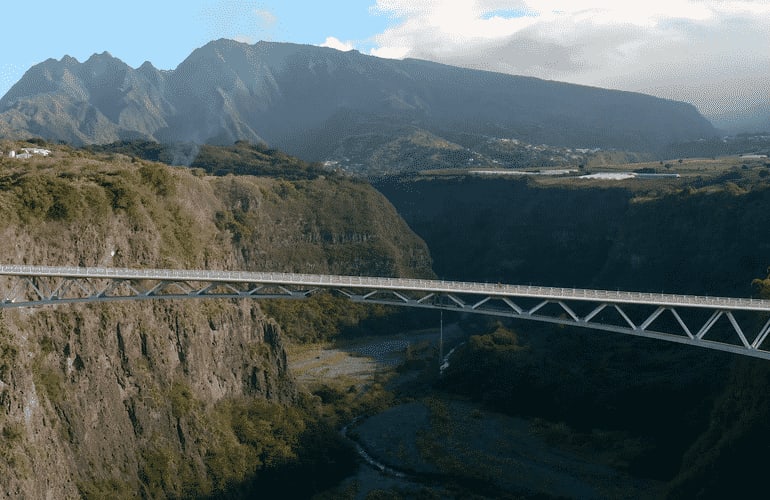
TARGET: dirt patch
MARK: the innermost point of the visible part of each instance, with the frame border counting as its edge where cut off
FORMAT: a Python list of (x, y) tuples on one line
[(360, 358), (323, 362)]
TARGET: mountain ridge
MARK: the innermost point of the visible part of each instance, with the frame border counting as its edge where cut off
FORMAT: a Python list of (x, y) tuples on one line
[(310, 100)]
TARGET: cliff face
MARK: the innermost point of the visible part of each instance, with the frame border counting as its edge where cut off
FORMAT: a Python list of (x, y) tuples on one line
[(690, 240), (99, 395), (153, 397)]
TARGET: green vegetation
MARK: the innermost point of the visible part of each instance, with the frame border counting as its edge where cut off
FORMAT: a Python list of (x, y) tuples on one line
[(582, 380), (253, 435), (501, 339), (13, 432), (719, 146), (50, 380), (91, 193), (619, 449), (413, 150), (170, 154), (255, 445), (108, 488), (12, 435), (164, 473), (181, 398), (333, 225), (321, 317), (249, 441), (739, 425), (244, 158), (158, 178)]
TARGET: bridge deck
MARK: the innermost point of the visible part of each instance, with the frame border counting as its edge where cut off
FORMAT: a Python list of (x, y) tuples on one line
[(377, 283)]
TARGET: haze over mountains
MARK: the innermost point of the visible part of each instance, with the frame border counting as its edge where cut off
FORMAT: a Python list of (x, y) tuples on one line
[(320, 103)]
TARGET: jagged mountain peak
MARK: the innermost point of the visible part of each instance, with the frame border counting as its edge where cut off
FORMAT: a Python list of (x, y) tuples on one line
[(104, 56), (67, 59)]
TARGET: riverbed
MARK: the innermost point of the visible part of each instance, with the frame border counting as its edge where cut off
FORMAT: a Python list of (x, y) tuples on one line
[(439, 443)]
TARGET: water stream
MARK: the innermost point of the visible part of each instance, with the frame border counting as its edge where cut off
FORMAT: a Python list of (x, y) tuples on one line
[(370, 461)]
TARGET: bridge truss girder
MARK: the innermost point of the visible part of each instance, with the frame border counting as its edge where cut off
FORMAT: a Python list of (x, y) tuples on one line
[(34, 291), (713, 328), (732, 328)]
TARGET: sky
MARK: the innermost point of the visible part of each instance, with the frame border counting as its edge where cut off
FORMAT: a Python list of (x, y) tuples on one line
[(712, 53)]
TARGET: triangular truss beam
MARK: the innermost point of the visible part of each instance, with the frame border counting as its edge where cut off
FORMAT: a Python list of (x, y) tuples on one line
[(560, 312)]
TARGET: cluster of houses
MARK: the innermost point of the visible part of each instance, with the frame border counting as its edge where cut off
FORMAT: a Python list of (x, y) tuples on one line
[(28, 153)]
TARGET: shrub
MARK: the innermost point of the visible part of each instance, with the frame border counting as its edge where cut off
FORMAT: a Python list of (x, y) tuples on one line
[(51, 381), (158, 178)]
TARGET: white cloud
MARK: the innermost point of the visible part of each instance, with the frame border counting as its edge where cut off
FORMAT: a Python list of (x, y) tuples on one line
[(266, 17), (655, 44), (335, 43), (243, 38), (390, 52)]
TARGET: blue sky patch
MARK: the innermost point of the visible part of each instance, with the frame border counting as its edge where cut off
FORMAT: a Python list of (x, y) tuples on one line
[(509, 13)]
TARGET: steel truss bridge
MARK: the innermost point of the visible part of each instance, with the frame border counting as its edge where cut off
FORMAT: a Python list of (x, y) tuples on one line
[(736, 325)]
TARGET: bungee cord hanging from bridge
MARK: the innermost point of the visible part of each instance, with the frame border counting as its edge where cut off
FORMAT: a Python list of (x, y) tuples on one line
[(737, 325)]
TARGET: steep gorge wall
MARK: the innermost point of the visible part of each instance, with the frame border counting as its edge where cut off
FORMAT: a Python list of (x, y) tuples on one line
[(686, 241), (99, 395), (151, 398)]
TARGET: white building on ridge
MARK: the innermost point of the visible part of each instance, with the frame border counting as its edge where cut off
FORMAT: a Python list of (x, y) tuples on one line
[(28, 153)]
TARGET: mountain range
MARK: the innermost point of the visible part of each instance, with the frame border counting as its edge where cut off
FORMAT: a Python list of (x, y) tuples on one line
[(323, 104)]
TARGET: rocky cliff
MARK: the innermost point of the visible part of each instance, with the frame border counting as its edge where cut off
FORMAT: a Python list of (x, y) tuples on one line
[(127, 397), (689, 235), (165, 398)]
